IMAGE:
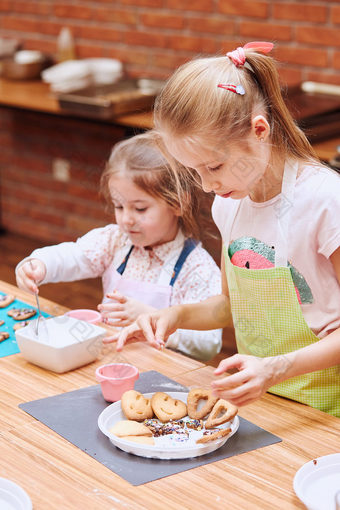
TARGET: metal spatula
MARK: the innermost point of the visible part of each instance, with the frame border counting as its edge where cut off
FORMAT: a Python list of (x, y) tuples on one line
[(38, 306)]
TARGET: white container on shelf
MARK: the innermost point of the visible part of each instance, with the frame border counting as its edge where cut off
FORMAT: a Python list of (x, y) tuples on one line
[(62, 343)]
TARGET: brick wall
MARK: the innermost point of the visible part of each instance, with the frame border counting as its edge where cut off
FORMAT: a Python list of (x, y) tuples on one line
[(152, 37), (33, 202)]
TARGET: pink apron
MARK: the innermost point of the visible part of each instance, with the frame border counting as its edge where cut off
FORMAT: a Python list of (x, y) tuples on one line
[(157, 295)]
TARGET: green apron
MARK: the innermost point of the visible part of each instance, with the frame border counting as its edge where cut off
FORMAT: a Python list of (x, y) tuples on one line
[(267, 315)]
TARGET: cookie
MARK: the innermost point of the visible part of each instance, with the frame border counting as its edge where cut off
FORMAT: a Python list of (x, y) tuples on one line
[(167, 408), (130, 428), (3, 335), (20, 314), (135, 406), (20, 325), (222, 412), (212, 437), (2, 322), (140, 439), (195, 396), (6, 299)]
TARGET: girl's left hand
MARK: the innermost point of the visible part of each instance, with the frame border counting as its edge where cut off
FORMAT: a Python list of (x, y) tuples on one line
[(254, 377), (122, 310)]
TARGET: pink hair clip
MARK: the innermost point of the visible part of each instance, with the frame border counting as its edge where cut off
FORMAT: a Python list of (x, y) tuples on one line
[(237, 89), (238, 56)]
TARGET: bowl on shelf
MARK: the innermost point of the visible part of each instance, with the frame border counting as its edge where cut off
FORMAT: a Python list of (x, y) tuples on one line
[(24, 65)]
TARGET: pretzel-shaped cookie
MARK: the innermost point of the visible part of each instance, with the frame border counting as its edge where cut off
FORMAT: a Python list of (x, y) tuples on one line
[(194, 397), (222, 412)]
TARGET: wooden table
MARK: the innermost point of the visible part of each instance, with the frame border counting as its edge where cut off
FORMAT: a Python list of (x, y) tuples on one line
[(58, 475)]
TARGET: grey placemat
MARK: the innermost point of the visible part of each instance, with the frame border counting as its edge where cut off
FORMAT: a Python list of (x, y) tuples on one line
[(74, 416)]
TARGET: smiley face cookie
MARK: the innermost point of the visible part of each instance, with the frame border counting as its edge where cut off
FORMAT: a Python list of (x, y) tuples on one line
[(3, 335), (6, 299), (135, 406), (20, 314), (167, 408)]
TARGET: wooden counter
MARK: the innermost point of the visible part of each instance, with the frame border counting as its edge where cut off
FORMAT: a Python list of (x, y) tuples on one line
[(56, 474), (36, 95)]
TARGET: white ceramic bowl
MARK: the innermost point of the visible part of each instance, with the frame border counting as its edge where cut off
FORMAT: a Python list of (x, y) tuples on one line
[(62, 344)]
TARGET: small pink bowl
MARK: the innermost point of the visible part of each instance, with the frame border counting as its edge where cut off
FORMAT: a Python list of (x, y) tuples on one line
[(85, 315), (115, 379)]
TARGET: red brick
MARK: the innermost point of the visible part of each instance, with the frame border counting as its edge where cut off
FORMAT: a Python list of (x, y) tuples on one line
[(138, 57), (289, 75), (271, 31), (143, 3), (115, 15), (162, 20), (246, 8), (90, 50), (335, 14), (300, 12), (317, 35), (20, 24), (303, 56), (216, 24), (5, 5), (31, 7), (197, 5), (336, 59), (78, 11), (194, 44), (48, 47), (140, 38), (97, 33), (169, 60), (325, 77)]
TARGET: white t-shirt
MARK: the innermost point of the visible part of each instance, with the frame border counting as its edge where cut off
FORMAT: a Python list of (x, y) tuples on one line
[(314, 234)]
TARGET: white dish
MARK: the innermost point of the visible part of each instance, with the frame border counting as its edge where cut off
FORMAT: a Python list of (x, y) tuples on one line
[(13, 497), (62, 344), (317, 482), (165, 447)]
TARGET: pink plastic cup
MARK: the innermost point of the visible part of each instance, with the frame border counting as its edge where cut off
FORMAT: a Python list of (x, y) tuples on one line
[(85, 315), (115, 379)]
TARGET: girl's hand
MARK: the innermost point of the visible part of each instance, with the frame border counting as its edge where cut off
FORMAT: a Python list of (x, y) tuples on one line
[(30, 274), (122, 311), (254, 377), (153, 328)]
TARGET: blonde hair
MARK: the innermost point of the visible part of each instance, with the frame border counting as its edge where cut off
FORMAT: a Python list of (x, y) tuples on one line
[(192, 105), (140, 159)]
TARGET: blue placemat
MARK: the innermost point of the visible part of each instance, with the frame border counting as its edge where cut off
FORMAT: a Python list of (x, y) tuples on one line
[(10, 346)]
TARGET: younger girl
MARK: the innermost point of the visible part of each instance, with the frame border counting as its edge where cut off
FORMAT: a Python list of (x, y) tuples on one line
[(148, 260), (278, 210)]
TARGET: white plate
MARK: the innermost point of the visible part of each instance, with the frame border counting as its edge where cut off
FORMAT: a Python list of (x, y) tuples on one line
[(317, 482), (13, 497), (164, 447)]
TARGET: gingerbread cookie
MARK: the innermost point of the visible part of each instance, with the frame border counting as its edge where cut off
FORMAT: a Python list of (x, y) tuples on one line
[(135, 406), (20, 314), (20, 325), (212, 437), (222, 412), (6, 299), (130, 428), (3, 335), (195, 396), (167, 408), (2, 322)]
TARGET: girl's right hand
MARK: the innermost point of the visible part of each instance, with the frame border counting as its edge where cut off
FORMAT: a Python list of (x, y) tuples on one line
[(30, 274), (153, 328)]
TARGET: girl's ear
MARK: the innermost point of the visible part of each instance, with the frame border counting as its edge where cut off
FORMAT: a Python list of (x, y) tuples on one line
[(260, 127)]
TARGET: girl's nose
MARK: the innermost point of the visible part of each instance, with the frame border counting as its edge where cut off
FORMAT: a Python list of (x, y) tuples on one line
[(128, 218), (209, 185)]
